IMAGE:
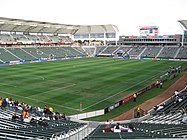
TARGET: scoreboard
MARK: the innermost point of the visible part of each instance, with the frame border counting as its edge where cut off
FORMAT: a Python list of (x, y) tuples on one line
[(149, 30)]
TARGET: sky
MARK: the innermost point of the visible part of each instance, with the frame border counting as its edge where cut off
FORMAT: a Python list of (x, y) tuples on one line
[(127, 15)]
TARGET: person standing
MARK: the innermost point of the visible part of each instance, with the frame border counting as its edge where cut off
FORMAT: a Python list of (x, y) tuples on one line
[(134, 97), (161, 84), (138, 111), (157, 83)]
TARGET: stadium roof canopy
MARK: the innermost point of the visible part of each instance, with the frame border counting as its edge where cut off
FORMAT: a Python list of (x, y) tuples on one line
[(184, 23), (20, 25)]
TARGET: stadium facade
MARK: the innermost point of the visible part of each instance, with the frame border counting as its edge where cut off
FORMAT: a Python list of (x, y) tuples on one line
[(18, 31)]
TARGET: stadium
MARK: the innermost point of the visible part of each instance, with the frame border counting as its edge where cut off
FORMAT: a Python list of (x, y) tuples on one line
[(61, 81)]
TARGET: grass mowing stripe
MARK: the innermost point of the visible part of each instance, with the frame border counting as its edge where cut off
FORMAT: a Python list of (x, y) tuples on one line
[(4, 84), (95, 79), (37, 100), (55, 89), (120, 92)]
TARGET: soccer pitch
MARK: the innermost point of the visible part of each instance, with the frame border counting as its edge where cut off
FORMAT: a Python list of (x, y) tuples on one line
[(94, 82)]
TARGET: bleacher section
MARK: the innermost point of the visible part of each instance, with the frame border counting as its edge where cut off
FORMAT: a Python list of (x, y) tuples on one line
[(37, 53), (30, 39), (163, 123), (142, 131), (182, 53), (110, 50), (168, 52), (145, 52), (16, 129), (174, 104), (151, 52), (136, 51), (99, 49), (125, 49)]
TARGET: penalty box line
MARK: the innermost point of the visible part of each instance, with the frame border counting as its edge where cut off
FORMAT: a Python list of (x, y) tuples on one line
[(118, 93)]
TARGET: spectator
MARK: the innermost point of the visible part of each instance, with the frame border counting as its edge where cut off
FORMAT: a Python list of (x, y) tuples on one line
[(184, 120), (117, 128), (57, 116), (33, 122), (160, 107), (157, 83), (107, 129), (107, 122), (183, 111), (14, 116), (176, 93), (4, 104), (43, 122), (1, 100), (131, 128), (25, 114), (161, 84), (46, 111)]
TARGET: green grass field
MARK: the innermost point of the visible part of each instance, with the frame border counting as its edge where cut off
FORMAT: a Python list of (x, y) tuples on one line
[(96, 82)]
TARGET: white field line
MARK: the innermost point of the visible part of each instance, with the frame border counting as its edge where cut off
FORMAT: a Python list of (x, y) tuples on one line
[(61, 82), (4, 84), (53, 90), (39, 101), (118, 93)]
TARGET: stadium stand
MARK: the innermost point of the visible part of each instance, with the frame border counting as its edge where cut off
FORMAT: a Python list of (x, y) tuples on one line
[(141, 131), (36, 126), (37, 53), (168, 52), (182, 53), (99, 49), (165, 123), (151, 52), (110, 50), (136, 50)]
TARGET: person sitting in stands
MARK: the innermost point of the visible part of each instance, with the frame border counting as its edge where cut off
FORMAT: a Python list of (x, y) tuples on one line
[(184, 120), (63, 116), (160, 107), (33, 121), (107, 122), (57, 116), (117, 128), (107, 129), (131, 128), (4, 104), (155, 108), (177, 99), (43, 122), (1, 100), (14, 116), (183, 111), (25, 114), (21, 118), (176, 93)]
